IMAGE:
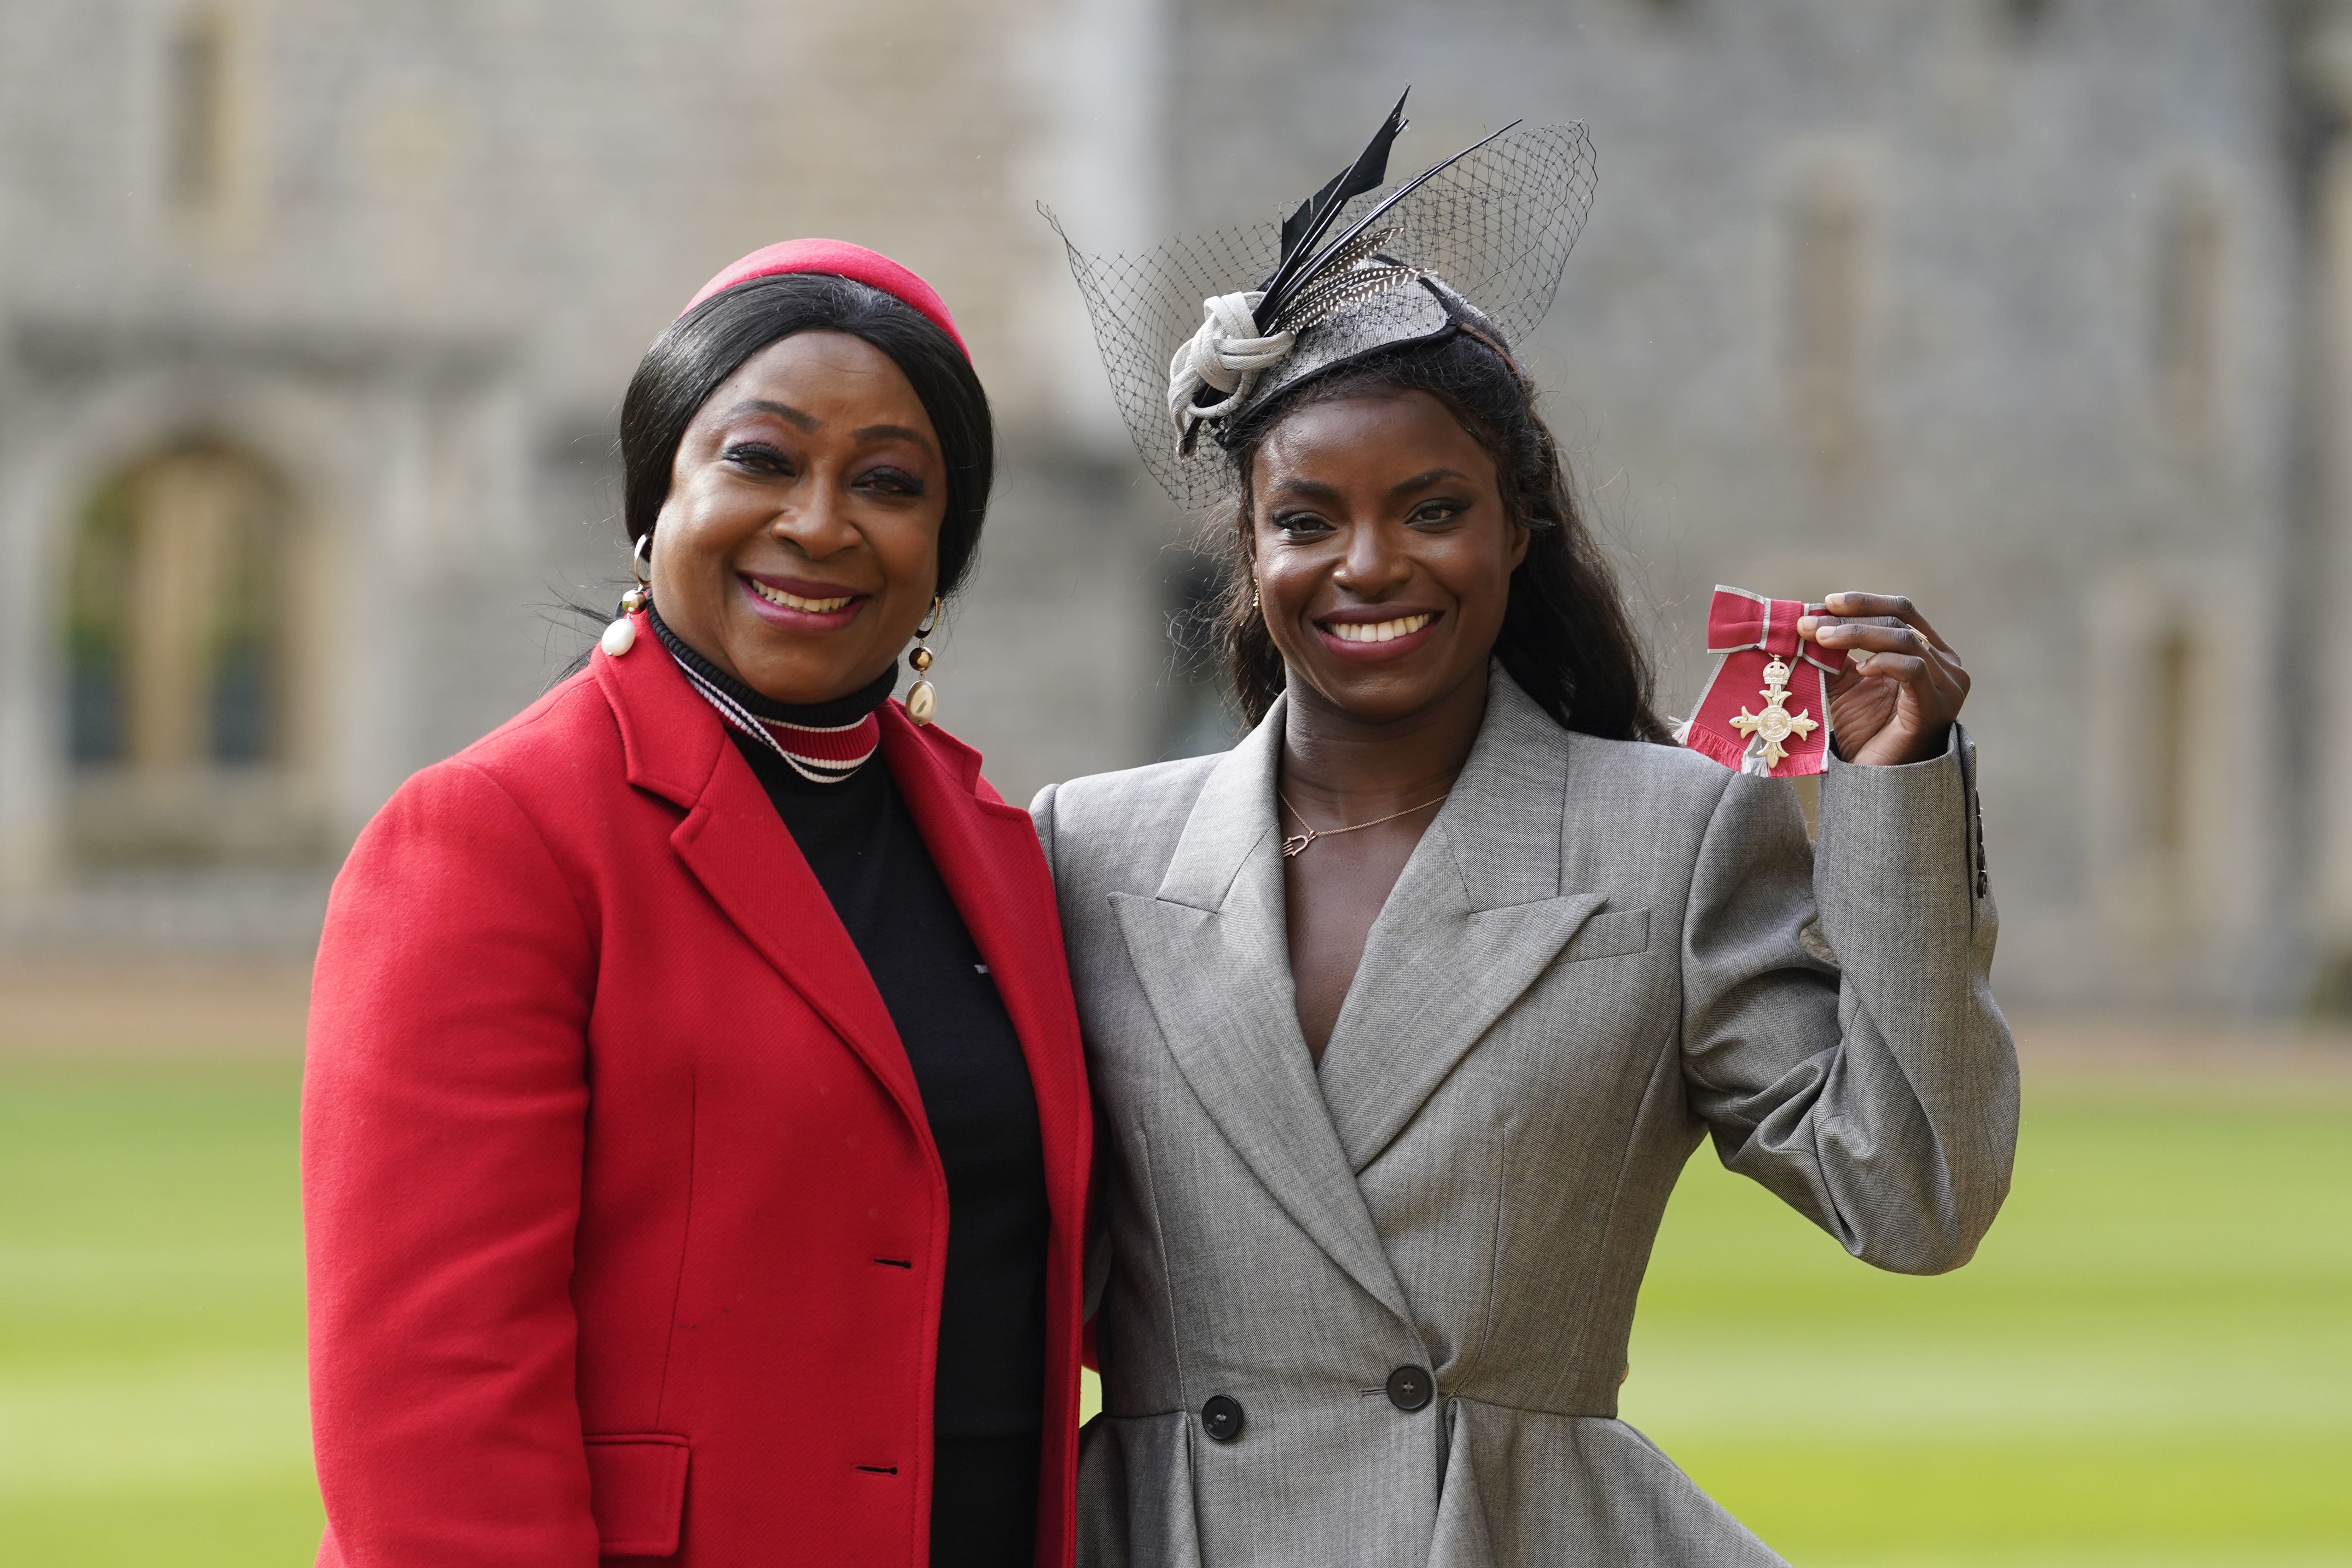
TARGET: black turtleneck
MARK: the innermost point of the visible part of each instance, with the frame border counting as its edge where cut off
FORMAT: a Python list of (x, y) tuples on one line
[(861, 841)]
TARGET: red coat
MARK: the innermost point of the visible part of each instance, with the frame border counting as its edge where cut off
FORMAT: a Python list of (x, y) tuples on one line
[(605, 1130)]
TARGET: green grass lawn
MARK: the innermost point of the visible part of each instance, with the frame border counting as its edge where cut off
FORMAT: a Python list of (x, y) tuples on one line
[(2150, 1363), (151, 1409)]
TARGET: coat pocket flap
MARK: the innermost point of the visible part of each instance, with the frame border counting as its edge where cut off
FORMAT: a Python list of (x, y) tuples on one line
[(636, 1489), (1610, 934)]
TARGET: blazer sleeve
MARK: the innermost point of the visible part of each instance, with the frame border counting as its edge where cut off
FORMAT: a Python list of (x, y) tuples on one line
[(1840, 1037), (444, 1109)]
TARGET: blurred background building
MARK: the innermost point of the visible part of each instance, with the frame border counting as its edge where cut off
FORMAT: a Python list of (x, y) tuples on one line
[(314, 316)]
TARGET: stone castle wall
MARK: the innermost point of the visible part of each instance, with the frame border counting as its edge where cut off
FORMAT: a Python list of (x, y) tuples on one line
[(2006, 306)]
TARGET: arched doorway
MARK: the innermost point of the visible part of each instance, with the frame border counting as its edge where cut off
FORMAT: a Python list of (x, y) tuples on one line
[(186, 674)]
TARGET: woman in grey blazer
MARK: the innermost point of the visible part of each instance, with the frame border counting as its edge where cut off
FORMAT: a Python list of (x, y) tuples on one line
[(1404, 1015)]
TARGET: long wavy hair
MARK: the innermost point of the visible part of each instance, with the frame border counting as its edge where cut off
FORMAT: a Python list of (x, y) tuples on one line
[(1567, 637)]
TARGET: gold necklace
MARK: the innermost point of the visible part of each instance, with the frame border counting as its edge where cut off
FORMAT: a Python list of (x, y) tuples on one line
[(1295, 845)]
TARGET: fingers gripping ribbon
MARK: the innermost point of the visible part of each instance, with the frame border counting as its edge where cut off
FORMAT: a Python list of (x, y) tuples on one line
[(1225, 355), (1758, 651)]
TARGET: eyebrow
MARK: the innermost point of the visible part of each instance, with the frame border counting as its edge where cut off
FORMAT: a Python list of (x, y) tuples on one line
[(1315, 489), (1423, 481), (783, 411), (810, 423), (891, 433)]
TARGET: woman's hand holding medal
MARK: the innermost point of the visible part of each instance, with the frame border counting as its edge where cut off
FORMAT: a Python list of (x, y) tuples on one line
[(1901, 687)]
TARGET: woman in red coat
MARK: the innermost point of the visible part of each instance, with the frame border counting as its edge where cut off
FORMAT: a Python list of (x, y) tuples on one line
[(694, 1138)]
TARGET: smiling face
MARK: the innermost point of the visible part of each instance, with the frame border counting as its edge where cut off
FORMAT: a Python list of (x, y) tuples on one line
[(798, 547), (1382, 551)]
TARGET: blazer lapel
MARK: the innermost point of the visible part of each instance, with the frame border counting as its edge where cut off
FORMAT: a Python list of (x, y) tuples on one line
[(1475, 918), (736, 846), (1212, 949), (988, 856)]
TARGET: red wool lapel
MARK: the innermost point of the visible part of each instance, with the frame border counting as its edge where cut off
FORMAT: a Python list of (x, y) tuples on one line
[(738, 849), (988, 855)]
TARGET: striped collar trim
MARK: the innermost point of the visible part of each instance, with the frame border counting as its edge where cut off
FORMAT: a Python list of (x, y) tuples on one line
[(820, 755)]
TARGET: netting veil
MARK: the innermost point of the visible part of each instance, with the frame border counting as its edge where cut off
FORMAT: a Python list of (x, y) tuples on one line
[(1480, 239)]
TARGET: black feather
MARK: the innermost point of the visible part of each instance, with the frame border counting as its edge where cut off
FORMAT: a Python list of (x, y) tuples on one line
[(1370, 172), (1295, 272)]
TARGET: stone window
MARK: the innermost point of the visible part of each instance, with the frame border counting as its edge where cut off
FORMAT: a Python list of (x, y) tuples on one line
[(1828, 239), (2173, 759), (2186, 346), (196, 117), (2171, 763), (184, 714)]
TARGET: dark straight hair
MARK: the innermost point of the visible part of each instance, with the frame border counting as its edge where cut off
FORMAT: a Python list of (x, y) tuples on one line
[(710, 343), (1567, 639)]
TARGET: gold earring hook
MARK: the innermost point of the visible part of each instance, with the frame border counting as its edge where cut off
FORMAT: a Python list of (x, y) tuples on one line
[(638, 597)]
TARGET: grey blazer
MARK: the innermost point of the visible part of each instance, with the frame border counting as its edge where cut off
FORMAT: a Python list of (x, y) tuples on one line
[(1376, 1315)]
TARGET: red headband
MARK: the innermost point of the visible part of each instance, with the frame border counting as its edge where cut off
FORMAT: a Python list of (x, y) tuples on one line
[(842, 259)]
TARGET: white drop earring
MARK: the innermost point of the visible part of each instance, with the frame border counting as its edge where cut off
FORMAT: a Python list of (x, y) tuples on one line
[(923, 698), (622, 635)]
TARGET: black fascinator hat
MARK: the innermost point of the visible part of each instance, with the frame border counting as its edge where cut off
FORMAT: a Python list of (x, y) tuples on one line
[(1477, 242)]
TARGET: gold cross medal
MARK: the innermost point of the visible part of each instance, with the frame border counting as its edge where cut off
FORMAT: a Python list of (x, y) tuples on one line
[(1776, 723), (1756, 638)]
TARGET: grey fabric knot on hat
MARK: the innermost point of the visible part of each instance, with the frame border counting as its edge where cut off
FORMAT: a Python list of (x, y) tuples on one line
[(1225, 355)]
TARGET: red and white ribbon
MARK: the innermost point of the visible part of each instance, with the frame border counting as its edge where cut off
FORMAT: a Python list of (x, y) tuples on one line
[(1747, 631)]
